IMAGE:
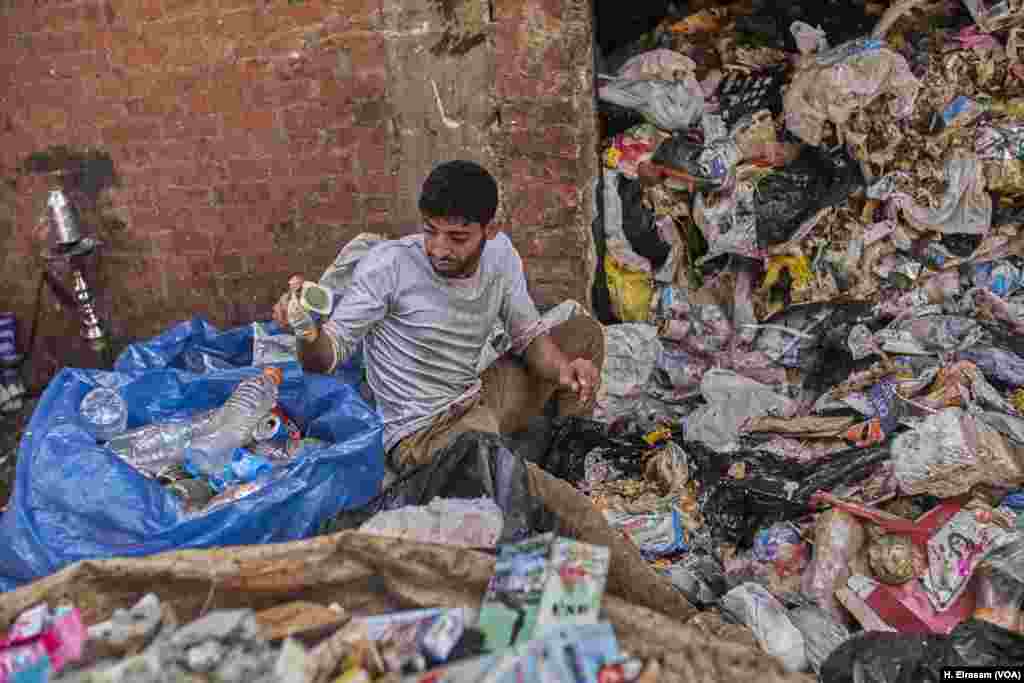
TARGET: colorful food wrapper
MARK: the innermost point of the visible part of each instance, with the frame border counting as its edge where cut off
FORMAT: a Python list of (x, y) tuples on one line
[(656, 534), (570, 654), (576, 580), (508, 614)]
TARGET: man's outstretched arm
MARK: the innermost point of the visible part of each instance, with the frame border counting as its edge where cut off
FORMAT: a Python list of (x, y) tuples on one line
[(365, 302)]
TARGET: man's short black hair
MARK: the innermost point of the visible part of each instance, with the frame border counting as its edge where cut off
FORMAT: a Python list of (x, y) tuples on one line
[(460, 189)]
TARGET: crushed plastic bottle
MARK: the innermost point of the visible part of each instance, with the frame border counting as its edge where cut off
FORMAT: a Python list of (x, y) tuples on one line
[(211, 452), (104, 413), (153, 447)]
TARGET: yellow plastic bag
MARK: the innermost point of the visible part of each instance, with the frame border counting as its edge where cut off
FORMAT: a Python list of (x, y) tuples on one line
[(631, 291)]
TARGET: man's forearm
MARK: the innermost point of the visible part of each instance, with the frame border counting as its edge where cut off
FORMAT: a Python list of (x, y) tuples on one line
[(316, 356), (544, 359)]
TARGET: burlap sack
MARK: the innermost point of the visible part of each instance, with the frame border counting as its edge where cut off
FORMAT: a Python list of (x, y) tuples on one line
[(372, 575)]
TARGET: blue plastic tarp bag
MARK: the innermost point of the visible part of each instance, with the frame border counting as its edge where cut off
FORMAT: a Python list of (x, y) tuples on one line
[(197, 346), (74, 499)]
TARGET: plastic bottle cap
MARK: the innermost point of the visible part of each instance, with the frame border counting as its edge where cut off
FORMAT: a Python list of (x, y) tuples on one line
[(275, 374)]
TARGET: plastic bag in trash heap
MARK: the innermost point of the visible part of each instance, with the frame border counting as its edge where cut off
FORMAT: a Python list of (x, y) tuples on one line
[(951, 451), (808, 38), (995, 16), (731, 400), (670, 105), (822, 634), (469, 523), (1000, 585), (631, 352), (660, 65), (874, 657), (966, 206), (753, 605), (834, 84), (790, 196)]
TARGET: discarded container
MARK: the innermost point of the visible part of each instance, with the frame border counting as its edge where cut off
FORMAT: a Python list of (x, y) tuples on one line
[(758, 609), (104, 413), (234, 422)]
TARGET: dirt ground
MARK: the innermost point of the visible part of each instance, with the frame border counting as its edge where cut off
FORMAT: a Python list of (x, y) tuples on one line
[(12, 426)]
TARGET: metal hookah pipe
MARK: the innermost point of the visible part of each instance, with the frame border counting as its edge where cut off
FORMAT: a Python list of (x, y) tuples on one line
[(70, 248)]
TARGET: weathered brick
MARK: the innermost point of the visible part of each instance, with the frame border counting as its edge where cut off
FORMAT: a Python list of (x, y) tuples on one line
[(185, 197), (183, 240), (182, 94), (145, 54), (135, 130), (59, 18), (132, 12), (246, 170), (96, 13), (259, 121), (163, 106), (244, 193), (378, 210), (301, 13), (184, 42), (305, 119), (192, 126), (178, 8), (272, 93), (48, 118), (375, 183)]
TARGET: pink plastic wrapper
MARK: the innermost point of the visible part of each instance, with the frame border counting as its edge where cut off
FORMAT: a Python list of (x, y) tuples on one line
[(58, 635)]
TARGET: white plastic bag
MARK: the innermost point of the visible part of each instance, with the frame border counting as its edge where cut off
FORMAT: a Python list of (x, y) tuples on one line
[(752, 604)]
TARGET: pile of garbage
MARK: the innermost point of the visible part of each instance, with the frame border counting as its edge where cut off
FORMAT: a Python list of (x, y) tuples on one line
[(811, 267), (540, 618)]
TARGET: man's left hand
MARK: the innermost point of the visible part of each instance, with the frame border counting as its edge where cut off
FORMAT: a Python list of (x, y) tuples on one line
[(581, 377)]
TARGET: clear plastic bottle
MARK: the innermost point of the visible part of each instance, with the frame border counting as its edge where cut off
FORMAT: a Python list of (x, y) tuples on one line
[(104, 413), (252, 399), (153, 447)]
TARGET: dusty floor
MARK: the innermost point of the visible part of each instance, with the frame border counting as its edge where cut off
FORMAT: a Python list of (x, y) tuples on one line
[(12, 426)]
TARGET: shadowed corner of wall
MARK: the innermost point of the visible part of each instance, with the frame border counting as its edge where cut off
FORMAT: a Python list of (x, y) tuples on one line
[(84, 174)]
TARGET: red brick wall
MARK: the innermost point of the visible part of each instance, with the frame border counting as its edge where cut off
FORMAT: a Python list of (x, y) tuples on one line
[(249, 140)]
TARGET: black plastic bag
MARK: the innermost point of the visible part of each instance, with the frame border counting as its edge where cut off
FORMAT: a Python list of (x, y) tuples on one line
[(560, 446), (774, 489), (1006, 215), (617, 119), (638, 222), (961, 245), (475, 465), (877, 657), (700, 577), (817, 179), (682, 153), (982, 643)]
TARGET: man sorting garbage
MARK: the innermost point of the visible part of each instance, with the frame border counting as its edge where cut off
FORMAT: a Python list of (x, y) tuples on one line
[(424, 307)]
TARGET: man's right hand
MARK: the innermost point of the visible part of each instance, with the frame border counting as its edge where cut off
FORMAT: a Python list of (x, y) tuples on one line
[(290, 314)]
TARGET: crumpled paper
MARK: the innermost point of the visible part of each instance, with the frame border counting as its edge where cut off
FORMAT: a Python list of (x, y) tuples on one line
[(832, 85), (964, 208), (950, 452)]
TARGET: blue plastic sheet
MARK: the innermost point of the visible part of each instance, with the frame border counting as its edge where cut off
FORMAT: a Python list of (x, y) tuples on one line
[(74, 499)]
